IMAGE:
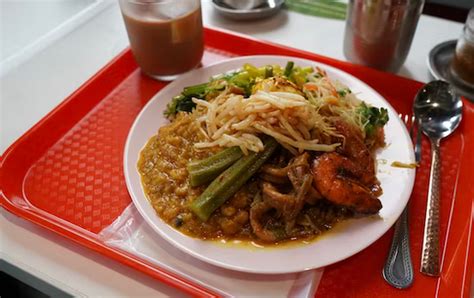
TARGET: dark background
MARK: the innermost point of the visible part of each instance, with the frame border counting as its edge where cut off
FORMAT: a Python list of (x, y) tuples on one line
[(455, 10)]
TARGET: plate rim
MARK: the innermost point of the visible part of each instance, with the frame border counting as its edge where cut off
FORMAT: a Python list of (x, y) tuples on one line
[(191, 252)]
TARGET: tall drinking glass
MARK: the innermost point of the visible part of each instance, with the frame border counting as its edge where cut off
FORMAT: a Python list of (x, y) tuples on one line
[(379, 32), (166, 36)]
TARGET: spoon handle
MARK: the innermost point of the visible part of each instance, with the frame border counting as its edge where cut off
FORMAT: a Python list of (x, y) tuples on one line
[(430, 252)]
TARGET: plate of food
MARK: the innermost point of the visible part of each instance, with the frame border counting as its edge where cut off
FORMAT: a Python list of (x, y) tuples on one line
[(269, 164)]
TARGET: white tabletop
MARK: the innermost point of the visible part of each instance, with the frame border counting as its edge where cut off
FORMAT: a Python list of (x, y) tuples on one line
[(31, 89)]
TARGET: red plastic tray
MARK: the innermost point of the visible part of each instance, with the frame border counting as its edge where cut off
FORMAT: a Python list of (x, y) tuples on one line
[(65, 174)]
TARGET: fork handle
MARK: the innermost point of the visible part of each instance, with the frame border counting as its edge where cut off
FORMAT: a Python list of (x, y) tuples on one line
[(418, 140), (398, 269), (430, 252)]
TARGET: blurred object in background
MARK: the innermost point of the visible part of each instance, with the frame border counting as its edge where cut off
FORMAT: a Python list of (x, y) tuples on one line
[(455, 10), (244, 4), (241, 10), (379, 33), (453, 60), (462, 65), (439, 63), (321, 8)]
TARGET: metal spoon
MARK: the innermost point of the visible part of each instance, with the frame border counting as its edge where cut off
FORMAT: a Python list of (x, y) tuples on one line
[(440, 112)]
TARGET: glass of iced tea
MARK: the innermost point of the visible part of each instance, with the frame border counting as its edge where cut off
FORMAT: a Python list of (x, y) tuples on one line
[(166, 36)]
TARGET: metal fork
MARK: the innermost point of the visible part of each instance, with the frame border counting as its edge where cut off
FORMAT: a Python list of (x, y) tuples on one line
[(398, 269)]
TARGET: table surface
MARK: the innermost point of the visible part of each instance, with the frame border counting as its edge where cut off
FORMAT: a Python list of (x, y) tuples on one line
[(35, 86)]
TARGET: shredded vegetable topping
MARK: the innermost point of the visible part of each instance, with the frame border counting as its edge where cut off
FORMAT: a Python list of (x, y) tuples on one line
[(232, 120), (296, 106)]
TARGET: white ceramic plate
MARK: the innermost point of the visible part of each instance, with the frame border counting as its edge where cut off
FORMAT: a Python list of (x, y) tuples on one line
[(338, 244)]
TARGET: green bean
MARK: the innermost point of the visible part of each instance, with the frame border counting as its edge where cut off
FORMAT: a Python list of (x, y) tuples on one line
[(206, 170), (288, 68), (268, 71), (231, 180)]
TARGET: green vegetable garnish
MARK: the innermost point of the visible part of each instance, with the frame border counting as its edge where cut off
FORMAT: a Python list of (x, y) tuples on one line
[(196, 91), (177, 104), (344, 92), (184, 101), (244, 79), (268, 71), (372, 117)]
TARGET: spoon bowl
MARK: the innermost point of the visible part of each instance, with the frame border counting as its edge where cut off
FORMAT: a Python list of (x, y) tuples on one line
[(439, 109), (439, 112)]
